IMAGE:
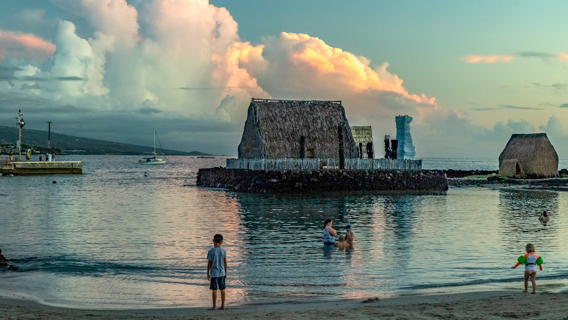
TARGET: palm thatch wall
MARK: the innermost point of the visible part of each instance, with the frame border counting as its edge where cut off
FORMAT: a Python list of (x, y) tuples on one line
[(277, 129), (511, 168), (529, 155), (363, 136)]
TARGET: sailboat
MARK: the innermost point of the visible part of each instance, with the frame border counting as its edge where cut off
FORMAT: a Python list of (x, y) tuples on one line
[(154, 160)]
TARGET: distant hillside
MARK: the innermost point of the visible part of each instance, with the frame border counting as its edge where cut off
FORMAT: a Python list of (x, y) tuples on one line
[(78, 145)]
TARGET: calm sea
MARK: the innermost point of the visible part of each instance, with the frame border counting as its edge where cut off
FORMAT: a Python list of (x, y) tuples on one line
[(113, 238)]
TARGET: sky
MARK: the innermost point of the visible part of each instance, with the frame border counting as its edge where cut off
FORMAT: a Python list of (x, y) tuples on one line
[(469, 73)]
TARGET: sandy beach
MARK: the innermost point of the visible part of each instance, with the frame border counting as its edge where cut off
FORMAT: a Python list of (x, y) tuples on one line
[(482, 305)]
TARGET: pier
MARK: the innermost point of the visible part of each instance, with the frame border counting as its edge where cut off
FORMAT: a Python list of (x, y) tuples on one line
[(22, 168)]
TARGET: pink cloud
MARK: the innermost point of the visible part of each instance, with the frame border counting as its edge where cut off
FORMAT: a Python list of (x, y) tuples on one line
[(563, 56), (310, 63), (489, 59), (24, 45)]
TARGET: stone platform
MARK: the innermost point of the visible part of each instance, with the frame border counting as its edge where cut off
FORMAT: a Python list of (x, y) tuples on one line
[(321, 181), (41, 167)]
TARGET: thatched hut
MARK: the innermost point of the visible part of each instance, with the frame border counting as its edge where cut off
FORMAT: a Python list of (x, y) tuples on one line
[(277, 129), (363, 136), (530, 155)]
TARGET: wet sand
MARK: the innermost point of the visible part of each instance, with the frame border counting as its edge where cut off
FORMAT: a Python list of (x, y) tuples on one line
[(481, 305)]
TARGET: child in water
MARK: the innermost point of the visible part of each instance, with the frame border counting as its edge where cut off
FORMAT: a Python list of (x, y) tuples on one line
[(349, 235), (530, 260), (341, 244)]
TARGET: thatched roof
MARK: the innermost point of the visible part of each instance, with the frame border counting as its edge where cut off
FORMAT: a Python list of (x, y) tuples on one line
[(529, 155), (274, 129)]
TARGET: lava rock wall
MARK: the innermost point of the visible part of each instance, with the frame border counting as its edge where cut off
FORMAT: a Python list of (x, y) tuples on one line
[(321, 181)]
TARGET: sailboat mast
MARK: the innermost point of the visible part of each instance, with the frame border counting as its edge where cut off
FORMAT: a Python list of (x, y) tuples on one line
[(154, 140)]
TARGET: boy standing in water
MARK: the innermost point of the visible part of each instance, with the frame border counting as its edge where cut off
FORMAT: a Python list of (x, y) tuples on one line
[(216, 270), (530, 260)]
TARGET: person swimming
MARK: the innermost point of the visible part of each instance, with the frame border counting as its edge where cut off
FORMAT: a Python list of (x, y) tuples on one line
[(543, 217)]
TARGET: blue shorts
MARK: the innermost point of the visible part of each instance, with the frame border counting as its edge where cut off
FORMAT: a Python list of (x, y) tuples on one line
[(217, 283)]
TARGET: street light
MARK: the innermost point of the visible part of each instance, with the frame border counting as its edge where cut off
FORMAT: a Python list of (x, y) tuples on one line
[(49, 138), (20, 124)]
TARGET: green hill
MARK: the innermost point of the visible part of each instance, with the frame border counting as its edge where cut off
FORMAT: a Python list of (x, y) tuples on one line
[(77, 145)]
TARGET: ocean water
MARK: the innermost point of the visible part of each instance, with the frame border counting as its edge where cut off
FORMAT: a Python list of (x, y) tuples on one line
[(113, 238)]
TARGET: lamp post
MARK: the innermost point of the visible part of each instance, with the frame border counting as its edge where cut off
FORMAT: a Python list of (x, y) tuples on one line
[(21, 123), (48, 138)]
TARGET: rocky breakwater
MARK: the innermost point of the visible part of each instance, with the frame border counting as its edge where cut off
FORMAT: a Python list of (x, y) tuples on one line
[(320, 181)]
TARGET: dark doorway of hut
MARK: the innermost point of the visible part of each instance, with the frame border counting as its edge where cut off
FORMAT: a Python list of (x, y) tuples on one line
[(512, 168), (518, 169), (310, 153)]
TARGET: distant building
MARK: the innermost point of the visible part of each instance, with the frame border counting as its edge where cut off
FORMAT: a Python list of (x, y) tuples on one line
[(363, 137), (277, 129), (406, 149), (529, 155)]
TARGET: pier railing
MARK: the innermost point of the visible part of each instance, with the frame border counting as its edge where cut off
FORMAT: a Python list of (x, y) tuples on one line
[(323, 164)]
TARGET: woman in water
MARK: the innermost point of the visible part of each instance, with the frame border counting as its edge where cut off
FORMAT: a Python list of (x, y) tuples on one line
[(329, 233)]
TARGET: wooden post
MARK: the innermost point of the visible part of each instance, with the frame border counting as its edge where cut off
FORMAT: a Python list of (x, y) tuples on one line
[(341, 148), (302, 147)]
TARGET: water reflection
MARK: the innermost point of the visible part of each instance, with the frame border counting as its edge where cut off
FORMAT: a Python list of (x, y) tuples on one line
[(113, 237), (399, 214)]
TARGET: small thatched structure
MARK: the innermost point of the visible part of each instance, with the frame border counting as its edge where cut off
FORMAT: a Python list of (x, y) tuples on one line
[(529, 155), (363, 136), (277, 129)]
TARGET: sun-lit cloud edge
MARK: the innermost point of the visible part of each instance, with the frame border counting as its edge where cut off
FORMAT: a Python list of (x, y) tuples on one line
[(562, 56), (488, 58), (24, 45)]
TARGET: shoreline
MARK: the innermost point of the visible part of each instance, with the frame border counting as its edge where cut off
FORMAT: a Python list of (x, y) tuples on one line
[(476, 305)]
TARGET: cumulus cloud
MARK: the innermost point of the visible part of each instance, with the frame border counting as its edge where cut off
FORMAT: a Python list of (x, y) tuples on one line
[(303, 62), (489, 59), (139, 55), (553, 128), (555, 131), (298, 66), (32, 20), (23, 45)]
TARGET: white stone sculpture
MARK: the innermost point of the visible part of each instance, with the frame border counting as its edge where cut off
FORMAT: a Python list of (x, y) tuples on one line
[(405, 147)]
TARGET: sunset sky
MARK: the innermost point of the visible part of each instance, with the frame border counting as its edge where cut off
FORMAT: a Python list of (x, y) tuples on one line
[(470, 73)]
